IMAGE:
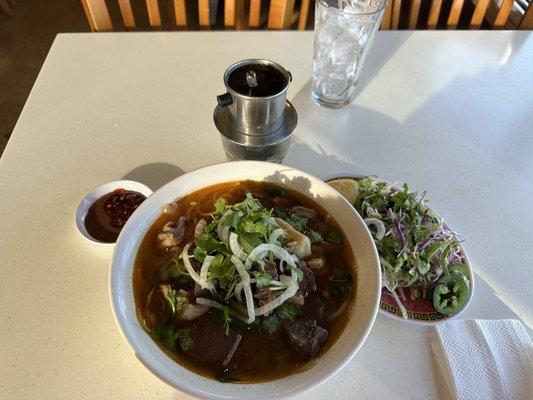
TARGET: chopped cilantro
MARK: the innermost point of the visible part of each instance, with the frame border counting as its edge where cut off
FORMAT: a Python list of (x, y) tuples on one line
[(314, 236), (220, 205), (175, 300), (170, 338), (262, 279), (297, 222), (334, 237), (184, 339), (273, 322), (274, 191), (341, 285), (227, 321)]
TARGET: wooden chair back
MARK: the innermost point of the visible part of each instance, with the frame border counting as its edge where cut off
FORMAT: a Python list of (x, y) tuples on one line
[(447, 14), (281, 14)]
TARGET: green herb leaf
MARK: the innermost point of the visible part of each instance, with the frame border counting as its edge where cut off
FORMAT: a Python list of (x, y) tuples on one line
[(297, 222), (288, 311), (184, 339), (209, 244), (223, 270), (169, 338), (255, 227), (314, 236), (334, 237), (341, 285), (220, 205), (274, 191), (227, 321), (272, 323), (175, 300), (262, 279)]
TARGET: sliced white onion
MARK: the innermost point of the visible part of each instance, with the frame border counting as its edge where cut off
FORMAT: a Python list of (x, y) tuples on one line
[(238, 290), (208, 302), (379, 226), (261, 252), (193, 274), (235, 247), (225, 233), (245, 277), (220, 225), (275, 235), (287, 294), (199, 228), (208, 260)]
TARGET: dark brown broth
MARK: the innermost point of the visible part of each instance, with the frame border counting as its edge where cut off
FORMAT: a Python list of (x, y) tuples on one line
[(260, 357)]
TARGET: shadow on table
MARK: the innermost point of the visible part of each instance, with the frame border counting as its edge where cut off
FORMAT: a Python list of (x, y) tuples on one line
[(154, 175)]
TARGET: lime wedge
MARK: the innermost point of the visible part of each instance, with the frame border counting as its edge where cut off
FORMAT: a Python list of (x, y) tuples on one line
[(347, 187)]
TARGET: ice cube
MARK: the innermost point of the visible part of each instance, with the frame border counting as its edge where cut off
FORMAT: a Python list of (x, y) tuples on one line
[(345, 49)]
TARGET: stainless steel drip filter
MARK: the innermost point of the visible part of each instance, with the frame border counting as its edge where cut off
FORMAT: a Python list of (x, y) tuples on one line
[(254, 118)]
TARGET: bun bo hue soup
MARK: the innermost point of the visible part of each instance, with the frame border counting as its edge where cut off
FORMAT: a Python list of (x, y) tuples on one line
[(244, 281)]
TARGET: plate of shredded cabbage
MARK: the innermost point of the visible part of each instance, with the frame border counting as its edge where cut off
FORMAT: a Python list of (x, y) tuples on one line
[(426, 275)]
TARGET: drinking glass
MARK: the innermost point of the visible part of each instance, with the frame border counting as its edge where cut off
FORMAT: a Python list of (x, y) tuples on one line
[(344, 31)]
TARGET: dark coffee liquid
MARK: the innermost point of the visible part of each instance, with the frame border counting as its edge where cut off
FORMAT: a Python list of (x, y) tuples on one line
[(270, 81)]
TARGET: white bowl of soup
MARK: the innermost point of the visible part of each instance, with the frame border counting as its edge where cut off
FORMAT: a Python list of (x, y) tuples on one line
[(245, 280)]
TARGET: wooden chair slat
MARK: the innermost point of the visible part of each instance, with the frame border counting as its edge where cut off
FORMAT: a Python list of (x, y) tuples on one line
[(234, 14), (455, 13), (434, 12), (527, 20), (254, 19), (280, 14), (6, 8), (180, 13), (154, 16), (414, 10), (479, 14), (386, 21), (304, 13), (396, 9), (503, 14), (97, 15), (127, 13), (203, 14)]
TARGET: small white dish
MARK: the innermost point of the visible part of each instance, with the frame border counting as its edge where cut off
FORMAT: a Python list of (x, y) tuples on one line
[(345, 347), (95, 194)]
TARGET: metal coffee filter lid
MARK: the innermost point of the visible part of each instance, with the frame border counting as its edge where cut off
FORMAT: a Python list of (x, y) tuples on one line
[(223, 122)]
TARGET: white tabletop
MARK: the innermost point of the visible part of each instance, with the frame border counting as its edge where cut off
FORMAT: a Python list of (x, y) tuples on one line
[(447, 112)]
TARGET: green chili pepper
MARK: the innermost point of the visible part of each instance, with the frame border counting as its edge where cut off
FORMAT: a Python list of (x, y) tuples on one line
[(450, 295), (459, 268)]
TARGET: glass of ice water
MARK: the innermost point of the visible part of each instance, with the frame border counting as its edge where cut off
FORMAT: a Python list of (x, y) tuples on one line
[(344, 31)]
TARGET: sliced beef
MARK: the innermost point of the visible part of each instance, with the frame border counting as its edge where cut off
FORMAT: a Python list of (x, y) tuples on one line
[(189, 312), (172, 234), (210, 344), (305, 336), (199, 291), (271, 269), (298, 299), (264, 296), (304, 212), (308, 283)]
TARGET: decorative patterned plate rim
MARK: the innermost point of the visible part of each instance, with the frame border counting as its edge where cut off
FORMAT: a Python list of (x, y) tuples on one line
[(397, 317)]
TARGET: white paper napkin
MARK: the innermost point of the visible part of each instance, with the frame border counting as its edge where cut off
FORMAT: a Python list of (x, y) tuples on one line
[(485, 359)]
